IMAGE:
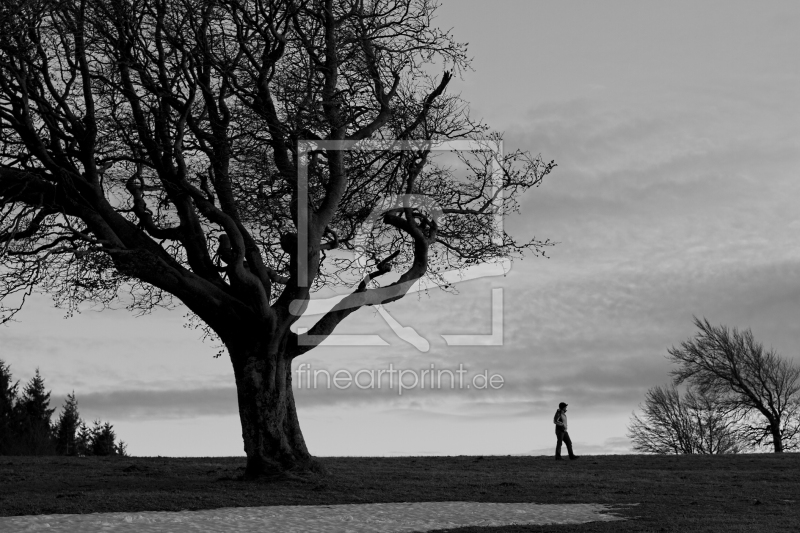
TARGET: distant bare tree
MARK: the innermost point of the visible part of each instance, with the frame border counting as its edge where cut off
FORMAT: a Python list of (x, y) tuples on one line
[(757, 384), (718, 428), (694, 423)]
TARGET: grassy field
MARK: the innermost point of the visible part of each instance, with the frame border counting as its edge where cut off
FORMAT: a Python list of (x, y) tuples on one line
[(677, 493)]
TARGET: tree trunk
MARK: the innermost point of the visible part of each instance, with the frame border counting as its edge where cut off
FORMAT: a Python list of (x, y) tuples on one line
[(271, 431), (776, 437)]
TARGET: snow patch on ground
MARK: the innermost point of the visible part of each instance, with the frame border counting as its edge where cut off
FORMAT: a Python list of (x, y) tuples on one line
[(357, 518)]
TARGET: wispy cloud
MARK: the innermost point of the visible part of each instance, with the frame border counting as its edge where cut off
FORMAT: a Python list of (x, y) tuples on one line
[(158, 404)]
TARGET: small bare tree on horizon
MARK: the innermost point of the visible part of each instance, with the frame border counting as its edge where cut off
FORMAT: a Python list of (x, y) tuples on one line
[(695, 423)]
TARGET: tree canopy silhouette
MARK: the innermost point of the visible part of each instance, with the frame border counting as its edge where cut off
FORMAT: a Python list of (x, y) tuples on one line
[(757, 385), (693, 423), (151, 149)]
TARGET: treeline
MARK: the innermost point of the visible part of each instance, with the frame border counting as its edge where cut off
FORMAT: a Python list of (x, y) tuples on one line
[(26, 427), (739, 397)]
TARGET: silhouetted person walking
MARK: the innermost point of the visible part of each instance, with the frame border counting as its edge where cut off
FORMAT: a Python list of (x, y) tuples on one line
[(560, 420)]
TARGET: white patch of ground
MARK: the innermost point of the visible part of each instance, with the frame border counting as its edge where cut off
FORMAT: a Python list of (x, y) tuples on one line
[(357, 518)]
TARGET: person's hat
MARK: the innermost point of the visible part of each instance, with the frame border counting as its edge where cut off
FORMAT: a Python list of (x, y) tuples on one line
[(562, 405)]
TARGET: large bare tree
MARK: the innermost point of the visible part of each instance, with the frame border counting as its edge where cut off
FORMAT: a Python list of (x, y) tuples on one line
[(151, 149), (757, 384)]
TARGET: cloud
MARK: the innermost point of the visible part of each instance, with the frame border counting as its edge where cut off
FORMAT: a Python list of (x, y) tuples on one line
[(598, 340), (157, 404), (684, 208), (600, 337)]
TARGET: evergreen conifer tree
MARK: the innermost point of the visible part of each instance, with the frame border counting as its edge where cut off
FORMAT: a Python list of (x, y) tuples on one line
[(66, 428), (34, 411), (102, 440), (121, 449), (83, 440), (26, 429), (8, 418)]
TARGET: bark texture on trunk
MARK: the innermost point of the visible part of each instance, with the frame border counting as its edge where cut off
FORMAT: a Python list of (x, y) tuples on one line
[(273, 441), (777, 441)]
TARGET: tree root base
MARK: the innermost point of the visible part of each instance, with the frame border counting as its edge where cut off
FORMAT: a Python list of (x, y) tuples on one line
[(309, 470)]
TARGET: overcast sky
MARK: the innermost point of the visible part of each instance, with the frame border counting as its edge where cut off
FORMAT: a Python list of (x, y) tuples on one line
[(676, 130)]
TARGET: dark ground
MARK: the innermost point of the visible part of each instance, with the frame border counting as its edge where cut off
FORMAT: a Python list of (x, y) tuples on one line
[(676, 493)]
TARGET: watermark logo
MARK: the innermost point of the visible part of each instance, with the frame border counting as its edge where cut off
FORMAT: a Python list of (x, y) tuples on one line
[(402, 379), (392, 202)]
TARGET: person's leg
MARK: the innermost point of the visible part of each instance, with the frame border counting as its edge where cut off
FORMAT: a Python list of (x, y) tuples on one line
[(559, 438), (568, 442)]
